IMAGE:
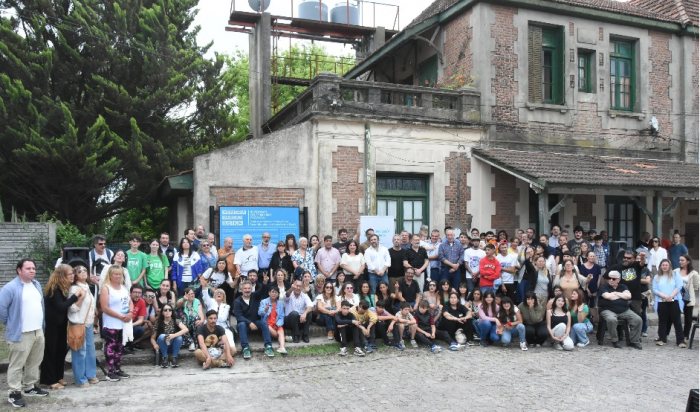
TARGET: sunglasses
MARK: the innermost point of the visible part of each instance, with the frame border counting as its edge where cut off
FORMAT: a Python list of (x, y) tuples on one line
[(329, 287), (167, 310), (101, 244), (149, 296), (82, 271), (349, 287)]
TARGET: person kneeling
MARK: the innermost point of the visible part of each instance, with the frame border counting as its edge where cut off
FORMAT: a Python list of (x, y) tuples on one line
[(168, 341), (218, 353)]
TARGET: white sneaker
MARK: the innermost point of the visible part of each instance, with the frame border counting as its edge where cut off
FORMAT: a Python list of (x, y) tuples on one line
[(343, 351), (558, 346), (414, 343), (583, 345), (523, 345), (191, 348)]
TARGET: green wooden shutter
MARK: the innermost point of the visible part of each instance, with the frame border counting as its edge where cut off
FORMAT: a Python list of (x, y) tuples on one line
[(559, 64), (534, 37)]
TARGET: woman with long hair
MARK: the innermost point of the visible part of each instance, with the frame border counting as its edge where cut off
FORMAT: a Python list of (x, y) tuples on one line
[(581, 326), (456, 316), (488, 310), (383, 293), (327, 305), (542, 249), (167, 338), (281, 259), (271, 311), (82, 312), (223, 311), (119, 259), (290, 243), (347, 293), (158, 265), (353, 263), (307, 286), (186, 266), (117, 308), (473, 305), (559, 324), (510, 322), (591, 271), (667, 287), (569, 279), (165, 295), (691, 284), (56, 304), (190, 310), (542, 285), (281, 280), (364, 293), (536, 332)]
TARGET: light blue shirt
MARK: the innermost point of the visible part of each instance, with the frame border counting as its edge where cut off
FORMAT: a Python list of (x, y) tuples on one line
[(264, 256), (666, 286), (11, 308)]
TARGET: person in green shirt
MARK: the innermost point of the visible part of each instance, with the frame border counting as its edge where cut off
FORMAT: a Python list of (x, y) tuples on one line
[(137, 261), (157, 265)]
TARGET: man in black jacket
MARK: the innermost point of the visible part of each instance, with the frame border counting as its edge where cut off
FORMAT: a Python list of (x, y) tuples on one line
[(245, 308)]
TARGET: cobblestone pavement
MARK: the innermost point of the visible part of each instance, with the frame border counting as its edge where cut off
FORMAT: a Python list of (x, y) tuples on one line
[(480, 379)]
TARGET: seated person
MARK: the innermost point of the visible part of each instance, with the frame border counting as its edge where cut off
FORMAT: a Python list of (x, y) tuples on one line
[(245, 308), (613, 303), (223, 310), (404, 318), (384, 319), (168, 336), (297, 312), (346, 324), (367, 320), (271, 311), (214, 348), (425, 328), (149, 296), (142, 327), (456, 316)]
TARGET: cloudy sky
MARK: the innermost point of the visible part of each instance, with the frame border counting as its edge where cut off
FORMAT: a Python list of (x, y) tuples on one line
[(213, 17)]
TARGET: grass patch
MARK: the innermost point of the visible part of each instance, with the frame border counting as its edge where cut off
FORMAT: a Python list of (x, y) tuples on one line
[(4, 348), (328, 349)]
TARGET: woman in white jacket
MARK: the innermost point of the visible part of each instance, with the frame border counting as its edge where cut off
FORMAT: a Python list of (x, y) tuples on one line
[(82, 312)]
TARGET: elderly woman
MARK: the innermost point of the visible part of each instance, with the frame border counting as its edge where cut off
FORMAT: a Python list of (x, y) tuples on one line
[(303, 258)]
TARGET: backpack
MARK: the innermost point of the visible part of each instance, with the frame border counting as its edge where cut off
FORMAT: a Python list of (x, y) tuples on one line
[(99, 264)]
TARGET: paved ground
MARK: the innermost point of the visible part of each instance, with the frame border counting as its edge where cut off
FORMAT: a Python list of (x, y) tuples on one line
[(478, 379)]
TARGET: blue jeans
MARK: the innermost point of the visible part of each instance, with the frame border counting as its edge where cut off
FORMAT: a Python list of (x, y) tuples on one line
[(508, 335), (326, 320), (521, 290), (375, 279), (470, 285), (579, 332), (83, 360), (243, 332), (487, 329), (445, 274), (475, 322), (485, 288), (173, 348)]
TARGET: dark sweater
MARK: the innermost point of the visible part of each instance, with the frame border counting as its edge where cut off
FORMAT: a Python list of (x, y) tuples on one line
[(56, 306)]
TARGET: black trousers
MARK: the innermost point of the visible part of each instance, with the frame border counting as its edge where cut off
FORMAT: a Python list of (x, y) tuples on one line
[(55, 350), (670, 313), (341, 335), (381, 327), (687, 318), (451, 326), (537, 333), (439, 335), (293, 322)]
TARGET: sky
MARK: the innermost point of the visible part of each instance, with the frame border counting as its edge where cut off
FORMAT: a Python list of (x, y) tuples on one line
[(213, 18)]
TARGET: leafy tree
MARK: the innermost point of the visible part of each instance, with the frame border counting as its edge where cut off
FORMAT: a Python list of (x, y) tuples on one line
[(100, 100)]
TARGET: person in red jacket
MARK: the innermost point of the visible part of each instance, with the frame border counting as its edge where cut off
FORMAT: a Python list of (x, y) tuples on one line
[(489, 269)]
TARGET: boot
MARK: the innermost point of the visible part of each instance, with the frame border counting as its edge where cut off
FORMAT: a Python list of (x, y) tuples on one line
[(173, 363), (164, 362)]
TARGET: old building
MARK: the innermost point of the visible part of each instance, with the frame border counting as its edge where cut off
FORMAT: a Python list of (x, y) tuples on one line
[(572, 112)]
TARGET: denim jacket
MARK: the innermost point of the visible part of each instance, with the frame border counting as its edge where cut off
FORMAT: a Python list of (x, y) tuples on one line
[(264, 315), (11, 308)]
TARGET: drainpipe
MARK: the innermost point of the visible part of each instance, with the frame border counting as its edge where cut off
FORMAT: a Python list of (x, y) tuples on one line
[(370, 177)]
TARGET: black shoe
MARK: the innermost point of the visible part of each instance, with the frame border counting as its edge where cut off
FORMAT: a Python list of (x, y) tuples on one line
[(36, 391), (296, 339), (122, 374), (164, 363), (617, 345), (112, 377), (305, 338), (173, 363), (127, 351), (16, 400), (136, 346), (637, 346)]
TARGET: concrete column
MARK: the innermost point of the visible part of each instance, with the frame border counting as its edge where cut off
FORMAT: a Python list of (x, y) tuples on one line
[(658, 214), (260, 78), (543, 212)]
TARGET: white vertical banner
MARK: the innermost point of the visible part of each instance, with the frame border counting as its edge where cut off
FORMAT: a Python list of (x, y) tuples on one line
[(383, 227)]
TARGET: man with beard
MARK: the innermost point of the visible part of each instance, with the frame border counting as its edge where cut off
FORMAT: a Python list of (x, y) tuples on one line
[(631, 276)]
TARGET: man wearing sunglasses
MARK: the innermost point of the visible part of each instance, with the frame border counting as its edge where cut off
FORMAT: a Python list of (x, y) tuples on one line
[(614, 304), (99, 256), (631, 276)]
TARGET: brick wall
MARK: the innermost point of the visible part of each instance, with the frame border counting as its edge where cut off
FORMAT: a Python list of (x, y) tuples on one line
[(458, 53), (255, 196), (26, 240), (457, 193), (584, 211), (504, 86), (505, 193), (347, 191), (660, 80)]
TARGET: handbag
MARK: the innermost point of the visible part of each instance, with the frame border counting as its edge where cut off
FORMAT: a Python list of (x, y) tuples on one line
[(76, 333)]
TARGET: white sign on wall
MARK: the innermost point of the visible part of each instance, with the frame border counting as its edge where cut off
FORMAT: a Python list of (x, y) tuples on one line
[(383, 227)]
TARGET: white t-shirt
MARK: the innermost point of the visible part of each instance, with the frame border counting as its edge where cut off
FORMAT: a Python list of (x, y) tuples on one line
[(507, 261), (247, 258), (473, 257), (326, 303), (32, 312), (215, 279)]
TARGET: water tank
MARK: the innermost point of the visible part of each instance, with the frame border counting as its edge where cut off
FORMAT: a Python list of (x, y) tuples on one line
[(309, 10), (341, 13), (258, 4)]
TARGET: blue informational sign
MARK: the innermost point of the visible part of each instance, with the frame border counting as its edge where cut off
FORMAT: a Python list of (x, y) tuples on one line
[(237, 221)]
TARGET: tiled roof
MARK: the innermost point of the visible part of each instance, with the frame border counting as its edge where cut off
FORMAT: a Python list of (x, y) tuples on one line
[(684, 11), (558, 169)]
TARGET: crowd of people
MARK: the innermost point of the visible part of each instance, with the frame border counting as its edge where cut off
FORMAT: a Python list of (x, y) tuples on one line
[(425, 290)]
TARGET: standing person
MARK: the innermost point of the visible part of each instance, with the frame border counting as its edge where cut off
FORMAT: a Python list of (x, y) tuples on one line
[(303, 259), (656, 254), (99, 256), (591, 268), (167, 250), (631, 276), (208, 256), (271, 311), (297, 310), (569, 280), (198, 236), (290, 243), (667, 290), (433, 249), (405, 239), (509, 266), (691, 284), (581, 326), (676, 250), (227, 253), (56, 307), (602, 254), (342, 243), (472, 257), (281, 259), (554, 239), (185, 266), (82, 312), (328, 259), (364, 245), (116, 308), (118, 259), (265, 252), (417, 257), (451, 256), (613, 303), (158, 265), (246, 257), (559, 325), (22, 313), (396, 254), (136, 260), (489, 269), (380, 260), (353, 265), (575, 243), (167, 338)]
